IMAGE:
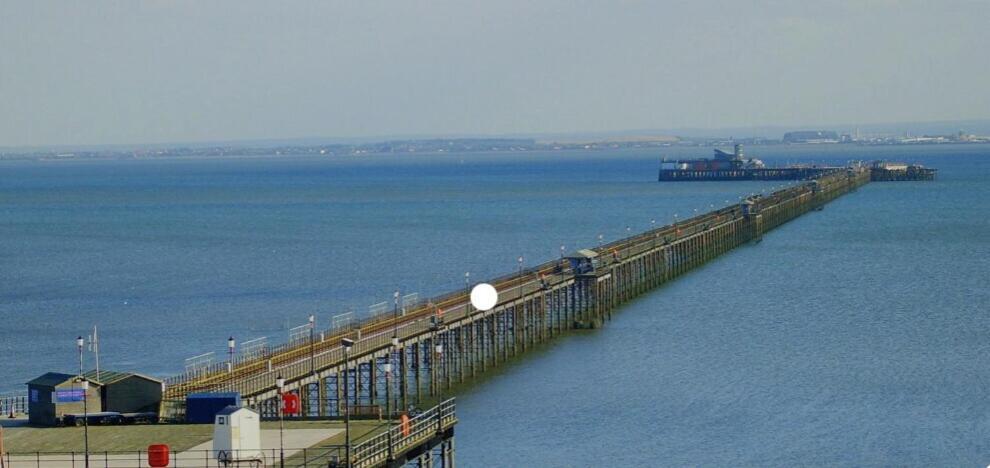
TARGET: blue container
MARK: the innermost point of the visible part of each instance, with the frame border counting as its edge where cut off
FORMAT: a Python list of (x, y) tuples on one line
[(201, 408)]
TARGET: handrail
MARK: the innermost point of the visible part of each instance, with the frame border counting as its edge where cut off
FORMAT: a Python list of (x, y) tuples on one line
[(374, 333)]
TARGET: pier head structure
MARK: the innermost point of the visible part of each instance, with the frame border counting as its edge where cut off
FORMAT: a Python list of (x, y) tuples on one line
[(414, 354)]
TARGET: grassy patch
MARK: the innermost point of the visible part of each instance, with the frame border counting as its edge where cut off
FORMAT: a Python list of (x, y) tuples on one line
[(138, 437)]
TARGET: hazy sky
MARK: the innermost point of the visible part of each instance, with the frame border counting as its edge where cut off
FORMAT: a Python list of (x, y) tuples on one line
[(132, 71)]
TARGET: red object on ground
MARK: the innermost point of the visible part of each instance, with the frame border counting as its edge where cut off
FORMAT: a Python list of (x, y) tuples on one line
[(290, 403), (158, 455), (404, 423)]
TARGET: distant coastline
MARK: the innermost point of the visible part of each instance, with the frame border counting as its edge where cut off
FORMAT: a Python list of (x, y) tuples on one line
[(475, 145)]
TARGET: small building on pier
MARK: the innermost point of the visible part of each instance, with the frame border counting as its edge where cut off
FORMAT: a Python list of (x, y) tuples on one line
[(886, 171), (583, 261)]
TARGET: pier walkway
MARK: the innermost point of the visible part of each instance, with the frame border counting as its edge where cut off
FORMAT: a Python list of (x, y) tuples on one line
[(435, 344)]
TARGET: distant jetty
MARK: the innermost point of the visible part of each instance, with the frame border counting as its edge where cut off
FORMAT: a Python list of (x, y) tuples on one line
[(725, 166)]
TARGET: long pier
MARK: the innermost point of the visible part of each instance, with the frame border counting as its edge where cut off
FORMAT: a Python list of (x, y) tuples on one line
[(418, 353), (880, 171), (767, 173)]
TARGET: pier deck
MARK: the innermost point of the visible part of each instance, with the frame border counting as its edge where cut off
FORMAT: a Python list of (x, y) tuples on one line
[(443, 341), (421, 350)]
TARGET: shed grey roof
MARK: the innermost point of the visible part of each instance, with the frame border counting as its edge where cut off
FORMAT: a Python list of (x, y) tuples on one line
[(229, 410), (583, 253), (108, 377), (51, 379)]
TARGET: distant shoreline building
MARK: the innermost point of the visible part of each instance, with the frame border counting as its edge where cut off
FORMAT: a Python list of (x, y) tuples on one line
[(811, 137), (723, 161)]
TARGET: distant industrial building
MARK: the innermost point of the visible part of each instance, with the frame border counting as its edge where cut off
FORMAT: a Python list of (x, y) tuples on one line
[(811, 136), (722, 161)]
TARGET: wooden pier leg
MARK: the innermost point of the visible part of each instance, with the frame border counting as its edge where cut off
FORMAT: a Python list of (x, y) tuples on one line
[(461, 358), (448, 361), (521, 328), (517, 313), (417, 360), (373, 381), (506, 319), (429, 356), (448, 452), (339, 390), (473, 347), (321, 397), (492, 341), (403, 377), (483, 340)]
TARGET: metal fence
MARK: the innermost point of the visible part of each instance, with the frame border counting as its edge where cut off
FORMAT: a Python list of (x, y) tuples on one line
[(372, 451), (285, 358), (308, 457), (292, 360), (13, 404)]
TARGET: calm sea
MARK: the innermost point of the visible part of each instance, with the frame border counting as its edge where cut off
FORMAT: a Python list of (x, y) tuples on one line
[(858, 335)]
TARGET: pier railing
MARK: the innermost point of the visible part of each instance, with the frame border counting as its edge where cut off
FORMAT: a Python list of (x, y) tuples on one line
[(624, 268), (13, 404), (301, 357), (401, 437)]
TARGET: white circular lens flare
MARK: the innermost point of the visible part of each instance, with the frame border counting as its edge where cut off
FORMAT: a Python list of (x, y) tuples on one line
[(484, 296)]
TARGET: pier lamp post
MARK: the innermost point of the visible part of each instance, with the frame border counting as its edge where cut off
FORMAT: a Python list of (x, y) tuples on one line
[(84, 384), (439, 350), (395, 315), (388, 396), (79, 345), (312, 344), (280, 383), (520, 262), (347, 343), (395, 346), (561, 252), (230, 353), (653, 228), (467, 290)]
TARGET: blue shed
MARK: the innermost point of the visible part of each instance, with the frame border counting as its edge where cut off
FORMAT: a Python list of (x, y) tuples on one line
[(201, 408)]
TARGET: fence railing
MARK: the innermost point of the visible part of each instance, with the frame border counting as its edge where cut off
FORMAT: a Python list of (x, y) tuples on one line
[(252, 374), (13, 404), (294, 362), (294, 457), (402, 436), (372, 451)]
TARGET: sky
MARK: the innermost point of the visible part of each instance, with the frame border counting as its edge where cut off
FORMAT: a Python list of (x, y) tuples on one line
[(124, 72)]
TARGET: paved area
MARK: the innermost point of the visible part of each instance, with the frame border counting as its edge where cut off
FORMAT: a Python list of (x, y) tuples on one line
[(14, 422), (198, 456)]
